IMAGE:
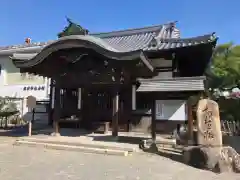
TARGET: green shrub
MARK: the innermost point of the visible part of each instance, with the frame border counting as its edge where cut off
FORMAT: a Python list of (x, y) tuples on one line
[(7, 106)]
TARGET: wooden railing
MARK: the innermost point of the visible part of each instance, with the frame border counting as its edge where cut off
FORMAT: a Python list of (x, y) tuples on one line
[(230, 127)]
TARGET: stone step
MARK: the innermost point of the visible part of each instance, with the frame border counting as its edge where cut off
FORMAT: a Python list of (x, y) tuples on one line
[(73, 148), (167, 145), (83, 143), (161, 142)]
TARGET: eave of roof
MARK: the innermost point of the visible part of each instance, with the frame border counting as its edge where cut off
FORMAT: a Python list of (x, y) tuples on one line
[(154, 45), (171, 43), (78, 41), (162, 44)]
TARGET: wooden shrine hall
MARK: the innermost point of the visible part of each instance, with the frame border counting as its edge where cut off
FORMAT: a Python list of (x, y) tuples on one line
[(117, 77)]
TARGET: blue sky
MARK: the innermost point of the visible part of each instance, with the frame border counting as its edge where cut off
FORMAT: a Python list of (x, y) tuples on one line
[(41, 20)]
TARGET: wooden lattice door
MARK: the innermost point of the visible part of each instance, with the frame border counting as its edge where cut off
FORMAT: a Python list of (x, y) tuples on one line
[(97, 104)]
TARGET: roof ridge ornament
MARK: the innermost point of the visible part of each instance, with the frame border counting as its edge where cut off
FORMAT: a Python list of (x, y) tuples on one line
[(214, 36), (72, 29)]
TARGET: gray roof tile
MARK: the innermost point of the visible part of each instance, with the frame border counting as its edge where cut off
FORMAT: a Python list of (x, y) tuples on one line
[(136, 39), (171, 85), (173, 43), (130, 43), (151, 38), (125, 40)]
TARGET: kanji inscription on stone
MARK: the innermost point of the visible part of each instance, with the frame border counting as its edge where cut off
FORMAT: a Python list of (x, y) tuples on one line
[(208, 123)]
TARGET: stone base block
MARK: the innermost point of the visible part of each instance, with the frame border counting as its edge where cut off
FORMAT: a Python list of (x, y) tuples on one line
[(217, 159), (55, 134)]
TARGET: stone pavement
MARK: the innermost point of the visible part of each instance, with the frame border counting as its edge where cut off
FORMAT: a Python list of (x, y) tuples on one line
[(23, 163)]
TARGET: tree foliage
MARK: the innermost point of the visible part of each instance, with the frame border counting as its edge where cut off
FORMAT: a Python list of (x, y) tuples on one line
[(7, 106), (224, 71)]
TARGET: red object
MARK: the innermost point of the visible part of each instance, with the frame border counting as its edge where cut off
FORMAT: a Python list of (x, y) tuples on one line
[(28, 40)]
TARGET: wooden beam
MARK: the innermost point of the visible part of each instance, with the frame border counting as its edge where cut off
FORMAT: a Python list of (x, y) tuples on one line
[(146, 61)]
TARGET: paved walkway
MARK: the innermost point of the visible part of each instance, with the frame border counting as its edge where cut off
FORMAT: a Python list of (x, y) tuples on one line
[(23, 163)]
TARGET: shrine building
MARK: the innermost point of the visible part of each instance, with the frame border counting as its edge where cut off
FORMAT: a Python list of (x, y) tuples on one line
[(130, 80)]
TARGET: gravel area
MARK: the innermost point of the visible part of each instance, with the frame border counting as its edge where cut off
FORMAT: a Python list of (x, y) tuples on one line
[(26, 163)]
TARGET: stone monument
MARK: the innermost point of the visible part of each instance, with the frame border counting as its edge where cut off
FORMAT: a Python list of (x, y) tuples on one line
[(208, 123), (209, 153)]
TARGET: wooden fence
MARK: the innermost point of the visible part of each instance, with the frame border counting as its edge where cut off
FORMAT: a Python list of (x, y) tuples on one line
[(230, 127)]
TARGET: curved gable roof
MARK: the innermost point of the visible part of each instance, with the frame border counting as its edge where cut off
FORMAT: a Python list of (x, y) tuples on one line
[(79, 41)]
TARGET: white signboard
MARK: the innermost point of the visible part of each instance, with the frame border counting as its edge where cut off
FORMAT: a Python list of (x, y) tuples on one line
[(174, 110)]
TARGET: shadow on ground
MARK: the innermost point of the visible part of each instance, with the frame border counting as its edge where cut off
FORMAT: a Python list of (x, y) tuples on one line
[(174, 154), (18, 131), (46, 131), (120, 139), (14, 131)]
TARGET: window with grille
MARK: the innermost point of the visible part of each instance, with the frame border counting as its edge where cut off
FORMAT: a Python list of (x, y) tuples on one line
[(159, 110)]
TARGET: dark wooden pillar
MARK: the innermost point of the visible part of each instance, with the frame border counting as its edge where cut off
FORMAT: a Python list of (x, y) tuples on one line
[(50, 105), (57, 108), (153, 124), (115, 117), (190, 121), (128, 107)]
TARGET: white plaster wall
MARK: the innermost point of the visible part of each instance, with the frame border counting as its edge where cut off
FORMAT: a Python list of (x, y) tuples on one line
[(2, 75), (40, 91), (22, 91)]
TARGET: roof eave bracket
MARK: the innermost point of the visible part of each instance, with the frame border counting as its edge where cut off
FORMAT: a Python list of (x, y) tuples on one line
[(146, 61)]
